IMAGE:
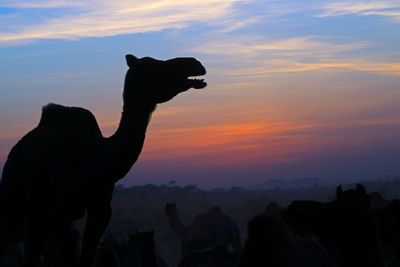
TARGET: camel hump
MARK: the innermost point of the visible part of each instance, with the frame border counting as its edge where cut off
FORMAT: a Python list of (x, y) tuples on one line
[(68, 119)]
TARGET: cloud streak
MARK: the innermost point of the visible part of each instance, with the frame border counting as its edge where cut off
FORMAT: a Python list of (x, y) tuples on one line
[(102, 18), (291, 66), (295, 46), (389, 9), (254, 57), (42, 4)]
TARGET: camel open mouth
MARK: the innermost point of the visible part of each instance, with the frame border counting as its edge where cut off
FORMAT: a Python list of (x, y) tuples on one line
[(196, 83), (190, 69)]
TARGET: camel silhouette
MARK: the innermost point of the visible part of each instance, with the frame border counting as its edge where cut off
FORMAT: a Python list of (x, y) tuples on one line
[(271, 242), (359, 193), (65, 168), (207, 230), (343, 226)]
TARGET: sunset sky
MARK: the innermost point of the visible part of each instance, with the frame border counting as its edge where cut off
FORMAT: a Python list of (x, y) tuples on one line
[(296, 89)]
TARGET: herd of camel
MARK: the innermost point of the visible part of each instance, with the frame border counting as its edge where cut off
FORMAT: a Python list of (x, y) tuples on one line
[(64, 170), (355, 229)]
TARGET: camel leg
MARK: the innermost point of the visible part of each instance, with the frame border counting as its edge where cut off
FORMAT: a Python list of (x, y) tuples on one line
[(10, 226), (36, 236), (11, 219), (69, 246), (96, 223), (62, 245), (97, 218)]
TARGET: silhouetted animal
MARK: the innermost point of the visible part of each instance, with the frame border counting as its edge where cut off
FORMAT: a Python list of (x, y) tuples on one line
[(304, 217), (207, 230), (388, 223), (347, 227), (61, 247), (371, 200), (385, 214), (343, 226), (376, 201), (271, 243), (65, 167), (358, 193)]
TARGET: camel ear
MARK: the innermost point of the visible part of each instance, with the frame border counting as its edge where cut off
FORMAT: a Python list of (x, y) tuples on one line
[(131, 60), (339, 191)]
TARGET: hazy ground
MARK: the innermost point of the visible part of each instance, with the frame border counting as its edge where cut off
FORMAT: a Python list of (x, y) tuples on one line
[(142, 207)]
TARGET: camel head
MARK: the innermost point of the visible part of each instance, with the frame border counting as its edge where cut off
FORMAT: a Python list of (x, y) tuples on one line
[(158, 81), (359, 193), (355, 193)]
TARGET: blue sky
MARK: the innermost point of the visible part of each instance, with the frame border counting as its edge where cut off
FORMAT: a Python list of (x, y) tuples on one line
[(296, 88)]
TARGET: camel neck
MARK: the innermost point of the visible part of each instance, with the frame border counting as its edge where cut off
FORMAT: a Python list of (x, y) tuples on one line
[(127, 142), (134, 120), (176, 225)]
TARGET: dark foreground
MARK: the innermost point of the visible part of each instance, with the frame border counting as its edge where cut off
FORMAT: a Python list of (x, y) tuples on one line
[(185, 226)]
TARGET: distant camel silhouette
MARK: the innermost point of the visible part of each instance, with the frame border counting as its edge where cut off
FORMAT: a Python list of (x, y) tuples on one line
[(65, 167), (372, 200), (270, 242), (347, 227), (388, 221), (358, 193), (343, 226), (207, 230), (304, 216)]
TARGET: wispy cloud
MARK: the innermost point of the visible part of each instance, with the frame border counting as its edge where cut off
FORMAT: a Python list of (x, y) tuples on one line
[(45, 4), (257, 47), (254, 57), (99, 18), (389, 9), (291, 66)]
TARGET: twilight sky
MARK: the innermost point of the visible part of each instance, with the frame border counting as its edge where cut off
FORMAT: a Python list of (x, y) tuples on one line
[(301, 88)]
